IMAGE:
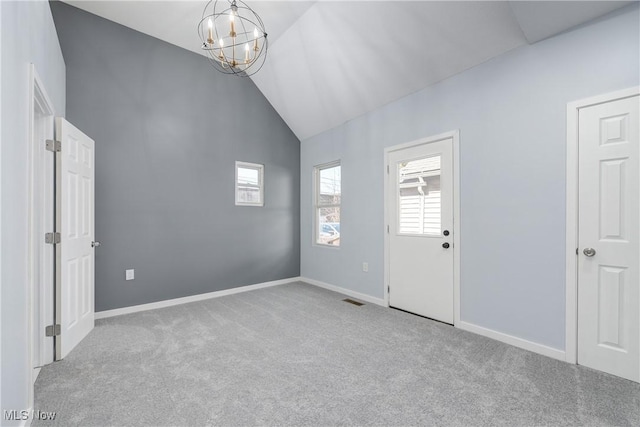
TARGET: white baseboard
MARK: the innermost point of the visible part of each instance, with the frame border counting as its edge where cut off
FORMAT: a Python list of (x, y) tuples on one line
[(192, 298), (348, 292), (514, 341)]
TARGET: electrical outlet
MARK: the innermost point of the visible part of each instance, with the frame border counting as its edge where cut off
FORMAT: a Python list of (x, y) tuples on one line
[(365, 267), (129, 274)]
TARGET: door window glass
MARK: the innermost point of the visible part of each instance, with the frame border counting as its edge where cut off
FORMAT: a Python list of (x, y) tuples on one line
[(419, 196)]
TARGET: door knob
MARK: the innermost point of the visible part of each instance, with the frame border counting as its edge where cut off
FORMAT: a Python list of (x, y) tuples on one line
[(589, 252), (445, 245), (95, 244)]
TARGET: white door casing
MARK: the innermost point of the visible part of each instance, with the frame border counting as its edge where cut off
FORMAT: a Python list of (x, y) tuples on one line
[(75, 223), (40, 217), (420, 206), (41, 213), (609, 237)]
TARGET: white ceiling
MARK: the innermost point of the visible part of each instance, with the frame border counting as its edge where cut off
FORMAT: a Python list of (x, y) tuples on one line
[(331, 61)]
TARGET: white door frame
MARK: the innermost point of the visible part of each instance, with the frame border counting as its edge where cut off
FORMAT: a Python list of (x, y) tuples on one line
[(1, 196), (573, 108), (38, 298), (455, 137)]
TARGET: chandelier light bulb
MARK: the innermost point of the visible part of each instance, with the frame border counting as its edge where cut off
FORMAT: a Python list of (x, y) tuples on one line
[(255, 39), (210, 33), (232, 19), (221, 56), (246, 53)]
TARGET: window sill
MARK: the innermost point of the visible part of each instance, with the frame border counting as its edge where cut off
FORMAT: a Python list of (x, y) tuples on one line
[(255, 205)]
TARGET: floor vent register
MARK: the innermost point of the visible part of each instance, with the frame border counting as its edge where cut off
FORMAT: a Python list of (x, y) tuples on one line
[(350, 301)]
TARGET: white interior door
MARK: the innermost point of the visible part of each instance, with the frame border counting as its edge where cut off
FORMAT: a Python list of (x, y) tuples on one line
[(420, 193), (608, 236), (75, 223)]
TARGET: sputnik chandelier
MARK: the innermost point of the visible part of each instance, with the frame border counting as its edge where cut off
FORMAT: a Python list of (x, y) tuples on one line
[(233, 35)]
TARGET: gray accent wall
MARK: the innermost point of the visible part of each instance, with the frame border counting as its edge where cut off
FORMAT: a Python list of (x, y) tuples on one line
[(168, 129), (28, 36), (511, 113)]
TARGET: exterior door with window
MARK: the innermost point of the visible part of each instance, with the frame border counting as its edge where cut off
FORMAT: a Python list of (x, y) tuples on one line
[(420, 193)]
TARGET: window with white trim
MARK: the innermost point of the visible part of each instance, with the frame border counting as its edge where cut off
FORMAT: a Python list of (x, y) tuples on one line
[(249, 184), (327, 198)]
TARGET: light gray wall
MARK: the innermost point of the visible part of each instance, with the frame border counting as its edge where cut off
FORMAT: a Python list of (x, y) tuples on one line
[(168, 130), (511, 113), (28, 36)]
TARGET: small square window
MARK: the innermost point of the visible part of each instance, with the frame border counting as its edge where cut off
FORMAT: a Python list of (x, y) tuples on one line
[(249, 184)]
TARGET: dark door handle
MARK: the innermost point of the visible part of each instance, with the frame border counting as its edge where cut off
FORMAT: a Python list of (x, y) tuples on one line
[(445, 245)]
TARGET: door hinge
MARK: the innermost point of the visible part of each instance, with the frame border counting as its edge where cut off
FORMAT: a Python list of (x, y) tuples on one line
[(52, 331), (388, 289), (387, 228), (387, 169), (53, 146), (52, 238), (577, 251)]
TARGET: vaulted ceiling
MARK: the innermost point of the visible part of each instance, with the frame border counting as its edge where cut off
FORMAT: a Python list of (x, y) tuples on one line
[(331, 61)]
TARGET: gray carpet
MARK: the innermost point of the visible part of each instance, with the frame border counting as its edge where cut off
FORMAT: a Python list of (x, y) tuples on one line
[(297, 355)]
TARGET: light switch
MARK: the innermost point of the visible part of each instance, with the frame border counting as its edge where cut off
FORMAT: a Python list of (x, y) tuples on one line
[(129, 274)]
